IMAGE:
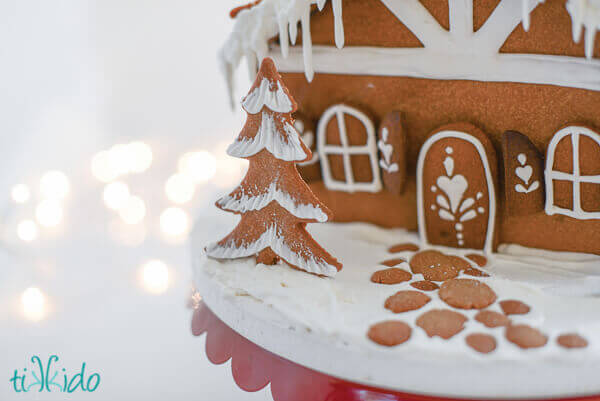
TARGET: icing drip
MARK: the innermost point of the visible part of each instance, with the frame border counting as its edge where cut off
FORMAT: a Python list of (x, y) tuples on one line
[(271, 238), (246, 203), (254, 28), (526, 7), (585, 13), (267, 137), (262, 96)]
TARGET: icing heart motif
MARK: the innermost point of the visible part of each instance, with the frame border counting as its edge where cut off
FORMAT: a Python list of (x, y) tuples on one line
[(524, 173), (454, 188), (386, 151)]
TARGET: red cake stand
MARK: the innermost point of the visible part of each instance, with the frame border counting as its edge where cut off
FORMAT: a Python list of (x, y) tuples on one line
[(254, 368)]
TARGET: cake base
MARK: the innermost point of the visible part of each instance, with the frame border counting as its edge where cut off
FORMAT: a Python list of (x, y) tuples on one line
[(321, 324), (253, 368)]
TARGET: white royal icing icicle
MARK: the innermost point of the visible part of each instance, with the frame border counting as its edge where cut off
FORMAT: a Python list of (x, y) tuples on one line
[(246, 203), (262, 96), (271, 238), (269, 138), (585, 13), (254, 28)]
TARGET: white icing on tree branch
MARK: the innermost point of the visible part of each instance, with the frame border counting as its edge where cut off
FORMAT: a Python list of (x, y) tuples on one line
[(262, 96), (269, 138), (246, 203), (271, 238)]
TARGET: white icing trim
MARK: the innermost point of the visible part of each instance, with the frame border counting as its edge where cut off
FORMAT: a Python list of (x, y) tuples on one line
[(461, 19), (488, 247), (575, 72), (269, 138), (256, 26), (271, 238), (246, 203), (421, 23), (346, 150), (576, 178), (262, 96), (501, 23), (585, 13)]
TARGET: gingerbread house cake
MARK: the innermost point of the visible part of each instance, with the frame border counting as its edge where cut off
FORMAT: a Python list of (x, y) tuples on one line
[(453, 148)]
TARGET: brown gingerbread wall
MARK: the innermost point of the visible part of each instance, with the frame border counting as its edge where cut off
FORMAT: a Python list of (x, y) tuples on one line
[(537, 111)]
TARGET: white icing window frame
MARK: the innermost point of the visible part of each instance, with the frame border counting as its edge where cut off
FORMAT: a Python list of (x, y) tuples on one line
[(347, 151), (491, 224), (575, 132)]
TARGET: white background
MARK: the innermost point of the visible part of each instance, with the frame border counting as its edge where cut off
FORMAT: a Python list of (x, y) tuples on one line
[(77, 77)]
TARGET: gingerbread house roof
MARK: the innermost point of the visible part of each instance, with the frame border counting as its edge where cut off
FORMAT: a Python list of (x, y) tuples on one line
[(258, 23)]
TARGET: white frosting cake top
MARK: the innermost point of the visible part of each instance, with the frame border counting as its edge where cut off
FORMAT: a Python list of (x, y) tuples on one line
[(323, 323)]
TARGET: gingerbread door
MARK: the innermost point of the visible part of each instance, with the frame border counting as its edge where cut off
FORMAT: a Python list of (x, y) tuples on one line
[(456, 194)]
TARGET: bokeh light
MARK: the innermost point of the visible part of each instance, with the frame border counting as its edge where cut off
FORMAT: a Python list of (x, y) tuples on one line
[(121, 159), (33, 302), (140, 157), (155, 276), (180, 188), (116, 195), (49, 213), (102, 169), (230, 170), (134, 210), (174, 222), (118, 158), (20, 193), (201, 166), (54, 185), (27, 230)]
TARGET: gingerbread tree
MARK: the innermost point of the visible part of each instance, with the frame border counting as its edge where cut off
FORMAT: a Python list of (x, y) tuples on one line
[(274, 202)]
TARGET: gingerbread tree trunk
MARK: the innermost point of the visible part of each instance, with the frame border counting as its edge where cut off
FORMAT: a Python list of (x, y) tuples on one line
[(274, 202)]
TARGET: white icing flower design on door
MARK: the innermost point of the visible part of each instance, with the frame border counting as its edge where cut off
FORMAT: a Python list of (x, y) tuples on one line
[(456, 192), (451, 203)]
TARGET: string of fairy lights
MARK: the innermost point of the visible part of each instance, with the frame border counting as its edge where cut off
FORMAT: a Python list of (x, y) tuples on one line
[(112, 168)]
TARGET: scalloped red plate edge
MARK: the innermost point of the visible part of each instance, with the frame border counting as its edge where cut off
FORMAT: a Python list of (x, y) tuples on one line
[(253, 368)]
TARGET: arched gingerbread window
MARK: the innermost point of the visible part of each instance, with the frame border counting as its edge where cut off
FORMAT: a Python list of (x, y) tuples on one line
[(348, 150), (573, 173)]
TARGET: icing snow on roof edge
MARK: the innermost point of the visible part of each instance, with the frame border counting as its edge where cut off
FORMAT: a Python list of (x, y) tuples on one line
[(255, 26)]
